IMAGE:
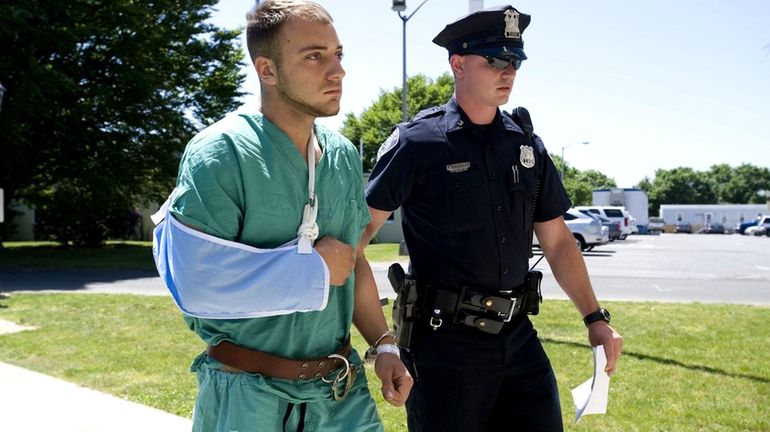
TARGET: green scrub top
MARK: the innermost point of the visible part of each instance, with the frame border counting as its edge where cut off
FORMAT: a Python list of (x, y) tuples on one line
[(243, 179)]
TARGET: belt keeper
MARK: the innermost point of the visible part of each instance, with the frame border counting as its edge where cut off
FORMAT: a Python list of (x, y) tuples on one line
[(435, 320), (488, 325)]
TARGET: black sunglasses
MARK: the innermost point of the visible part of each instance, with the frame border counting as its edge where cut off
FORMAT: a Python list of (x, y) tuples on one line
[(500, 63)]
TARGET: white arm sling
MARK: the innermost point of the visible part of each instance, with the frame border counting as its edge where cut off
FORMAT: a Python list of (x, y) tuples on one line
[(210, 277)]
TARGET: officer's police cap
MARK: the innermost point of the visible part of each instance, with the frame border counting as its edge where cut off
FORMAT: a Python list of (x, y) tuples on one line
[(494, 32)]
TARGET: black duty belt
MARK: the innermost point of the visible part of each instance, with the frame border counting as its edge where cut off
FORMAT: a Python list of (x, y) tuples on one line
[(472, 308)]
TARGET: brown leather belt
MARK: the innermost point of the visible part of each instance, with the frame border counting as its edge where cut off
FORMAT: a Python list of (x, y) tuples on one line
[(247, 360)]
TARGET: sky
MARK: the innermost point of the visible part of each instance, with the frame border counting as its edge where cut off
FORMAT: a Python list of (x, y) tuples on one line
[(649, 85)]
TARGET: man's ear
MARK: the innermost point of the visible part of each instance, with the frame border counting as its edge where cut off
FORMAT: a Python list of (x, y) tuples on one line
[(456, 63), (266, 70)]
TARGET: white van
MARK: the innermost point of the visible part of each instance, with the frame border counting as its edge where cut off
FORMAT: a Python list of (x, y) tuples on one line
[(615, 213)]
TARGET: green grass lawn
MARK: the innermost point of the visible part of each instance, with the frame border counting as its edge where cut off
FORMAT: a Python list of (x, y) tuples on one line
[(117, 255), (686, 367), (114, 255)]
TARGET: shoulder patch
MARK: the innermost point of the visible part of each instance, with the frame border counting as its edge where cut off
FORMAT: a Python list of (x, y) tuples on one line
[(389, 143)]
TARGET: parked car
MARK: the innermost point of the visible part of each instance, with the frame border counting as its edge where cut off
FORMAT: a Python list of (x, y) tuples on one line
[(656, 225), (616, 213), (742, 227), (632, 224), (683, 227), (587, 230), (613, 226), (757, 230), (712, 228)]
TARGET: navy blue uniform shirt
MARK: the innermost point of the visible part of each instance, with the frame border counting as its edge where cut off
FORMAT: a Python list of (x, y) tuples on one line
[(466, 195)]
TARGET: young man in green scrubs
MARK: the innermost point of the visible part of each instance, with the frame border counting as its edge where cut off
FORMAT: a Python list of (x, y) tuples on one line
[(245, 179)]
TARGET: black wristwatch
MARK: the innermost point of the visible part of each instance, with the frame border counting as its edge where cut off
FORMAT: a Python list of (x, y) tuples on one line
[(600, 315)]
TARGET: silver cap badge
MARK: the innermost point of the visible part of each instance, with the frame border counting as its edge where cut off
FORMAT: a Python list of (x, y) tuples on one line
[(512, 24)]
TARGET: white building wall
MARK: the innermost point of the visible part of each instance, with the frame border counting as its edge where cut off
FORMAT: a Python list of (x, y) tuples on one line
[(700, 214), (634, 200)]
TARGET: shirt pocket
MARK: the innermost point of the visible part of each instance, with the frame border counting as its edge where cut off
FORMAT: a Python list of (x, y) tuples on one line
[(273, 221), (522, 184), (459, 200), (340, 219)]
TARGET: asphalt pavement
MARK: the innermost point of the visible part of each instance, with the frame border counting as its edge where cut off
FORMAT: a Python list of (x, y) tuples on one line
[(703, 268), (707, 268)]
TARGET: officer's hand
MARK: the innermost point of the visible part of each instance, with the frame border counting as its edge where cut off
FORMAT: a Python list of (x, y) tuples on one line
[(396, 380), (600, 333), (339, 257)]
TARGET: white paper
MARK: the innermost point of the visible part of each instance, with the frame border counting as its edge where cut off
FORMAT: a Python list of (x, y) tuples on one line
[(591, 396)]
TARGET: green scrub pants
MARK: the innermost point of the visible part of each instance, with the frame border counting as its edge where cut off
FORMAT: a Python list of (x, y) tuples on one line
[(244, 402)]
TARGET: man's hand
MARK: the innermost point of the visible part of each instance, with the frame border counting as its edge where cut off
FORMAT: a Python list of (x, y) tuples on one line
[(339, 257), (600, 333), (395, 378)]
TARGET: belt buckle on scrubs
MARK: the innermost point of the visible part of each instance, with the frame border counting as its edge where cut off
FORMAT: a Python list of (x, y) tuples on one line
[(343, 380)]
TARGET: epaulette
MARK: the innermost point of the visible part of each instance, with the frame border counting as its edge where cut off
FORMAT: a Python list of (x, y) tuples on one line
[(429, 112)]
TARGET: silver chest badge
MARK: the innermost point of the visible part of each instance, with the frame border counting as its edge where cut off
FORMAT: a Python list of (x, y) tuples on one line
[(512, 24), (527, 156)]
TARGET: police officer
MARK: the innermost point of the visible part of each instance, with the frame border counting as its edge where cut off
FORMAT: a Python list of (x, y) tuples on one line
[(471, 184)]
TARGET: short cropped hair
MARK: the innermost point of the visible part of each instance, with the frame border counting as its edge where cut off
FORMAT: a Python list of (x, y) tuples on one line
[(265, 20)]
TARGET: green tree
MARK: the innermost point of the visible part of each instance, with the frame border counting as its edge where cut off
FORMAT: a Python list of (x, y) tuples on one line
[(581, 184), (720, 176), (680, 186), (745, 184), (645, 184), (375, 123), (102, 97)]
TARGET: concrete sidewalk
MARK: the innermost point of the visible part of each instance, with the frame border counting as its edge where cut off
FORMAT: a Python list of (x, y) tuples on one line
[(33, 402)]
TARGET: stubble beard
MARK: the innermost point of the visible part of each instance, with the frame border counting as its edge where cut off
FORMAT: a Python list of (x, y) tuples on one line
[(301, 106)]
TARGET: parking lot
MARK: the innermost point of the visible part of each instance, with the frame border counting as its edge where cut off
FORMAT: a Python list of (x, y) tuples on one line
[(708, 268)]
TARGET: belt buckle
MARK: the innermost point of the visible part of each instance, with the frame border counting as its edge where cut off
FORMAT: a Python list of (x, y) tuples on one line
[(509, 314), (504, 316), (343, 380)]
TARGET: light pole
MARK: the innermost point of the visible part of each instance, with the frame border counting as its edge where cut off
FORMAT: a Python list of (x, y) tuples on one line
[(400, 6), (563, 164), (2, 93), (2, 199)]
